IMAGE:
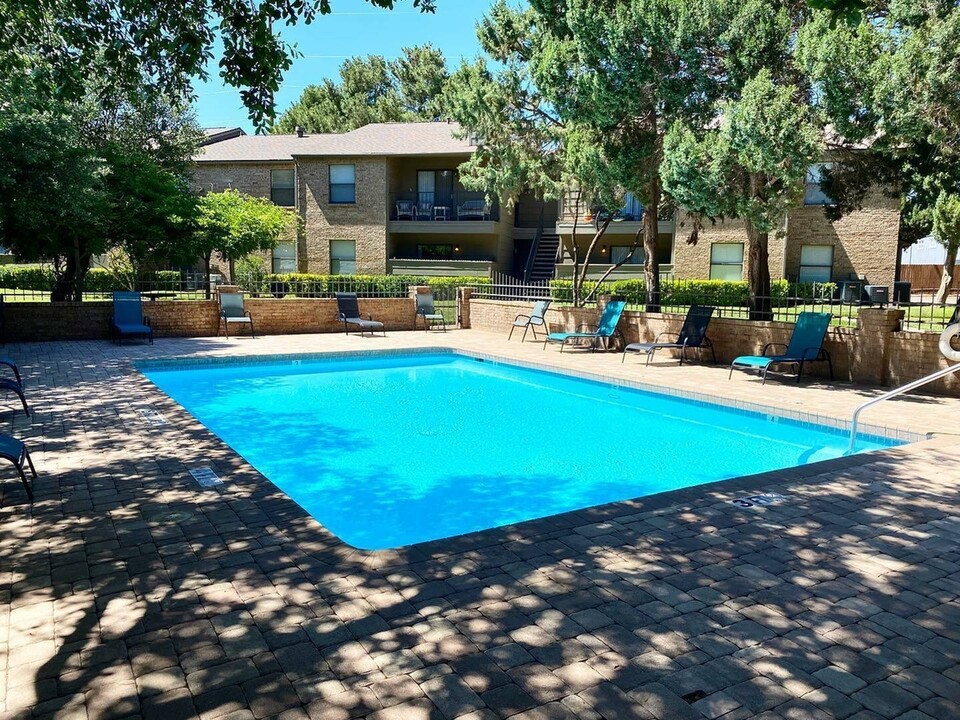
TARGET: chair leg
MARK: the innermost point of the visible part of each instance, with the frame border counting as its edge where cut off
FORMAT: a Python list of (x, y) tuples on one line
[(252, 333), (829, 363), (512, 327), (730, 374), (799, 371), (26, 484)]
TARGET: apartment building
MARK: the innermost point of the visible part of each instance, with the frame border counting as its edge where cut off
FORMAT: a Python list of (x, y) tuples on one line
[(387, 198)]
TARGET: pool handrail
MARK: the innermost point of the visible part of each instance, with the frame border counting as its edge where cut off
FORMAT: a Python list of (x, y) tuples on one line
[(891, 394)]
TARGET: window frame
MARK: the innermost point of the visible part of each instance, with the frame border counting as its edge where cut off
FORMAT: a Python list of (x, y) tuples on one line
[(331, 184), (726, 264), (292, 188), (813, 194), (803, 265), (338, 269), (274, 258)]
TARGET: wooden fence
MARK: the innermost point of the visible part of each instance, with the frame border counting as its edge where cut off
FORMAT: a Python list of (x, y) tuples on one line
[(927, 277)]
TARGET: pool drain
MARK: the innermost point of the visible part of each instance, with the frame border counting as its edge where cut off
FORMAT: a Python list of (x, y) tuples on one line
[(205, 477), (758, 500), (152, 417)]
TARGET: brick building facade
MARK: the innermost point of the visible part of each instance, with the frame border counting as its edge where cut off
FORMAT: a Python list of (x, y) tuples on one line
[(386, 198)]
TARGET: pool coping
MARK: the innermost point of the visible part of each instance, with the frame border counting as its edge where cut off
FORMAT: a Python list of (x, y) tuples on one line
[(319, 542)]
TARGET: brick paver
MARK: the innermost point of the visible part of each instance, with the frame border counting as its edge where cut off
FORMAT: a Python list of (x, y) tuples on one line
[(125, 590)]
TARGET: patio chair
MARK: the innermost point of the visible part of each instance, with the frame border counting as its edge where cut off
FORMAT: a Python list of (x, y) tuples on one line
[(476, 209), (16, 452), (128, 318), (607, 328), (424, 210), (806, 345), (532, 321), (693, 334), (427, 311), (406, 209), (12, 364), (348, 312), (231, 311)]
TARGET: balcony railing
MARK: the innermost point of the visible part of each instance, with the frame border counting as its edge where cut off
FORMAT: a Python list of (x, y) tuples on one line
[(442, 207)]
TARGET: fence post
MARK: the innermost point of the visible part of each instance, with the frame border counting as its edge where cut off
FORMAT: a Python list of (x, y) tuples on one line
[(463, 306), (869, 360)]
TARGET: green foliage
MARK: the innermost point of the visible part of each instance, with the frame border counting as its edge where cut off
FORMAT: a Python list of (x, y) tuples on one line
[(372, 90), (157, 47), (98, 280), (719, 293), (312, 285), (234, 225), (946, 221)]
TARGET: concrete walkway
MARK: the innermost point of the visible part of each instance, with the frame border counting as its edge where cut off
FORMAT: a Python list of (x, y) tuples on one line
[(127, 591)]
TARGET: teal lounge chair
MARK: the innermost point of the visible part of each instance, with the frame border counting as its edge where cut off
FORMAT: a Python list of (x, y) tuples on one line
[(532, 321), (231, 311), (806, 346), (606, 329), (427, 311), (693, 334), (16, 452), (128, 318)]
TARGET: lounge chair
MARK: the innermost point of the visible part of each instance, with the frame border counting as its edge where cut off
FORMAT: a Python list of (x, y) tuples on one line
[(128, 318), (406, 209), (693, 334), (532, 321), (231, 311), (16, 452), (427, 311), (607, 328), (806, 345), (424, 210), (476, 209), (348, 312)]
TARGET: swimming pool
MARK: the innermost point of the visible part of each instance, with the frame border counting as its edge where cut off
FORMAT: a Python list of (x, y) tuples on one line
[(395, 449)]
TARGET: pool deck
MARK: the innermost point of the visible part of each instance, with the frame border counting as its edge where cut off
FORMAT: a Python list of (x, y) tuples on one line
[(129, 591)]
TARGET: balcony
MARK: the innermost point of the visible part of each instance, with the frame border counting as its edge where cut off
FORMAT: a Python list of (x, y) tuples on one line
[(457, 212)]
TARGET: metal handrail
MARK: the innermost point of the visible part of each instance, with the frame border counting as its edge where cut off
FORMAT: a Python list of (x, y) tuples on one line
[(893, 393)]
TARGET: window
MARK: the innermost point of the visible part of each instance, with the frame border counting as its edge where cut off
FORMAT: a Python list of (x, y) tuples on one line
[(816, 263), (632, 210), (618, 253), (343, 257), (343, 187), (282, 187), (664, 251), (285, 258), (726, 261), (813, 195)]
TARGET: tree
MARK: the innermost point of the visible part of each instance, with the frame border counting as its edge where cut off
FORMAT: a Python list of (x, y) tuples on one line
[(160, 45), (372, 90), (587, 91), (235, 225), (751, 167), (80, 178), (893, 82), (946, 229)]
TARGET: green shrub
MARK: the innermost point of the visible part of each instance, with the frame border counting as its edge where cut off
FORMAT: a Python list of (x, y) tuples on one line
[(313, 285)]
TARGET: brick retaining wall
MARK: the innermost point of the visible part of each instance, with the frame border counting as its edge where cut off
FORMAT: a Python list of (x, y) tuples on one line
[(38, 321), (874, 353)]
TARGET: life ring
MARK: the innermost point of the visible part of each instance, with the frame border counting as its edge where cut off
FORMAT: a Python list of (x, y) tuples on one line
[(946, 342)]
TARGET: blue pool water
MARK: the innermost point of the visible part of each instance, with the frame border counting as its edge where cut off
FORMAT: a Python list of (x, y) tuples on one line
[(392, 450)]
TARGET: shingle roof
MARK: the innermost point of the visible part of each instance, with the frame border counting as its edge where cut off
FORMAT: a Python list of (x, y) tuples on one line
[(422, 138)]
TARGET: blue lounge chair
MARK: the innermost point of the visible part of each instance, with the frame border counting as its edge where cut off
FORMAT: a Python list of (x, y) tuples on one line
[(16, 452), (532, 321), (606, 329), (128, 318), (693, 334), (806, 345), (231, 311), (427, 311), (348, 312)]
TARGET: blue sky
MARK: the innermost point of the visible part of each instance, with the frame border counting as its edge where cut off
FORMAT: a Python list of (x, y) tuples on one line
[(354, 28)]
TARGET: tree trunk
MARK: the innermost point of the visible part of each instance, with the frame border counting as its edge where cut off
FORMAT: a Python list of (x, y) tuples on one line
[(68, 285), (759, 273), (948, 269), (651, 230)]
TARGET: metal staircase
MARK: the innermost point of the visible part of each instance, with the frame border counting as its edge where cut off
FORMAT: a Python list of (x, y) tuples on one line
[(543, 258)]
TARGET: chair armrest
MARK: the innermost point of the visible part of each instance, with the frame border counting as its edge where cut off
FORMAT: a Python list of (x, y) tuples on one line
[(657, 338), (146, 321), (815, 353), (247, 313), (521, 315), (770, 345)]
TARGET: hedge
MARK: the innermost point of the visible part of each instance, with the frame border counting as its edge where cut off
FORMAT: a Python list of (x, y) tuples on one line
[(17, 277), (311, 285), (722, 293)]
